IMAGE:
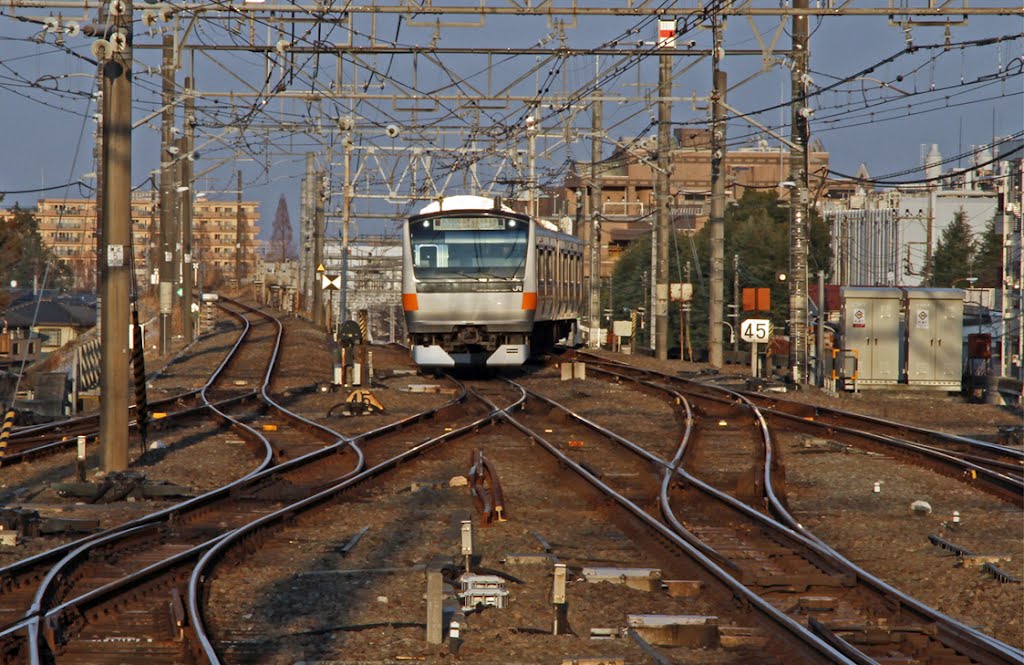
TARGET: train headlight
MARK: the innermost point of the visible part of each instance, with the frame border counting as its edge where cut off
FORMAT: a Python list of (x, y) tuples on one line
[(511, 223), (426, 225)]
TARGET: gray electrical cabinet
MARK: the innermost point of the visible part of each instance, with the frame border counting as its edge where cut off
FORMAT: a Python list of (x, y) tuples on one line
[(934, 337), (870, 327)]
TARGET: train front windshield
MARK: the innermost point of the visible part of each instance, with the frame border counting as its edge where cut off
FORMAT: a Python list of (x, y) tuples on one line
[(475, 248)]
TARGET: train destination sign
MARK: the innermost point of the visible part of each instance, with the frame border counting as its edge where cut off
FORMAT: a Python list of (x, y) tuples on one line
[(469, 224)]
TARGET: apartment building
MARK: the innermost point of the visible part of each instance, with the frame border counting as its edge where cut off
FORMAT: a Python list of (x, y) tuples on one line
[(627, 180), (68, 228)]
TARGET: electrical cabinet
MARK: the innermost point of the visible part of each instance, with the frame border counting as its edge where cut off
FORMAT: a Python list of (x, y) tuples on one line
[(934, 324), (870, 328)]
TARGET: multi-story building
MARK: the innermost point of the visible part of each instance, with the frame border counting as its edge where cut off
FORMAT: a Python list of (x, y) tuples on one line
[(628, 181), (68, 228)]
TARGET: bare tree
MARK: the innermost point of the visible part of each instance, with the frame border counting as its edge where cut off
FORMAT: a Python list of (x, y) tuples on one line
[(281, 246)]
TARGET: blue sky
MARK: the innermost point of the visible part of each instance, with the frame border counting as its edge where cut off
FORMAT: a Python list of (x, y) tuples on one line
[(957, 98)]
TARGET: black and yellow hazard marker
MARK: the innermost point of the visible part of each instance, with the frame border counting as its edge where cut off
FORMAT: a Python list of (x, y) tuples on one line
[(139, 376), (5, 433)]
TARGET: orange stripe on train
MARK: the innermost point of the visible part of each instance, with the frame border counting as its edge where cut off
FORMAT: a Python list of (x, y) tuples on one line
[(410, 303), (530, 300)]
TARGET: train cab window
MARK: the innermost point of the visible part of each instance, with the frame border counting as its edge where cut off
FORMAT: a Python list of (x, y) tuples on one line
[(484, 249), (426, 256)]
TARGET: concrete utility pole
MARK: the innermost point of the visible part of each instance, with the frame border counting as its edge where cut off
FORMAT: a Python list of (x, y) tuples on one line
[(116, 156), (307, 267), (239, 234), (737, 305), (798, 199), (346, 217), (594, 242), (717, 298), (318, 248), (185, 208), (153, 249), (167, 196), (663, 221)]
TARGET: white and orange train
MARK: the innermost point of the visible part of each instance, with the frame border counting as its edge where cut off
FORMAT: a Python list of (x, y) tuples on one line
[(483, 285)]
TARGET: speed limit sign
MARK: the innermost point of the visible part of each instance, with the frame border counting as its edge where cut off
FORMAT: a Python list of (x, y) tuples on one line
[(756, 331)]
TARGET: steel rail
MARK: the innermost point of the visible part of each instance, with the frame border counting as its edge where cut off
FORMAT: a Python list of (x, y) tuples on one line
[(89, 422), (817, 410), (62, 553), (202, 570), (801, 633), (169, 514), (1008, 487), (965, 639)]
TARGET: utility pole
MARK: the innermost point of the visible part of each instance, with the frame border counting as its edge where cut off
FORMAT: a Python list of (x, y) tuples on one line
[(116, 153), (594, 245), (717, 303), (819, 338), (735, 306), (185, 206), (531, 147), (798, 199), (153, 249), (346, 216), (239, 233), (318, 248), (661, 234), (167, 196), (307, 269), (686, 351)]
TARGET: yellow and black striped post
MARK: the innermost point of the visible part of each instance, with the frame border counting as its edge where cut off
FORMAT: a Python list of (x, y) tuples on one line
[(5, 433), (363, 317), (139, 375)]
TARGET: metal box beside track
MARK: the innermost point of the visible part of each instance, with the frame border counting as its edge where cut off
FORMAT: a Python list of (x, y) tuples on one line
[(934, 325), (870, 325)]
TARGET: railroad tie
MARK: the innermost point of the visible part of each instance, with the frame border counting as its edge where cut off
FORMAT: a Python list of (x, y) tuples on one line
[(5, 433)]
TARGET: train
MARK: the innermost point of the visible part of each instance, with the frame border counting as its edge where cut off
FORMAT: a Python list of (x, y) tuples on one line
[(485, 286)]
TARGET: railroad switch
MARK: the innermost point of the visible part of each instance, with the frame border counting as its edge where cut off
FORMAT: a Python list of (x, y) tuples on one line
[(359, 402), (28, 523), (118, 486)]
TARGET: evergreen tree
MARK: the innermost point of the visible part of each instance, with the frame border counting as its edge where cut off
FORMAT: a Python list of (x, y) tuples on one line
[(953, 258), (757, 230), (988, 259), (24, 257)]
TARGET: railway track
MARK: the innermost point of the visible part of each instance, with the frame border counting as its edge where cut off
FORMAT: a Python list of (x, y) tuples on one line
[(151, 587), (995, 468)]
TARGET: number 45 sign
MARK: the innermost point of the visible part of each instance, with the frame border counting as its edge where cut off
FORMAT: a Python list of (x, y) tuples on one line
[(757, 331)]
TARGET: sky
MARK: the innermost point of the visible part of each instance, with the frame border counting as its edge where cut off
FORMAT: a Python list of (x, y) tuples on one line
[(956, 98)]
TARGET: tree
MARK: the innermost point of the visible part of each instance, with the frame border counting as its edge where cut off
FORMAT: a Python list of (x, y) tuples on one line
[(953, 258), (757, 230), (24, 257), (988, 259), (281, 247)]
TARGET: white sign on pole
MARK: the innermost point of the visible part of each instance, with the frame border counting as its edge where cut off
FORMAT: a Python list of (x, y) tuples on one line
[(756, 331), (680, 291), (622, 328), (115, 256), (666, 33)]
